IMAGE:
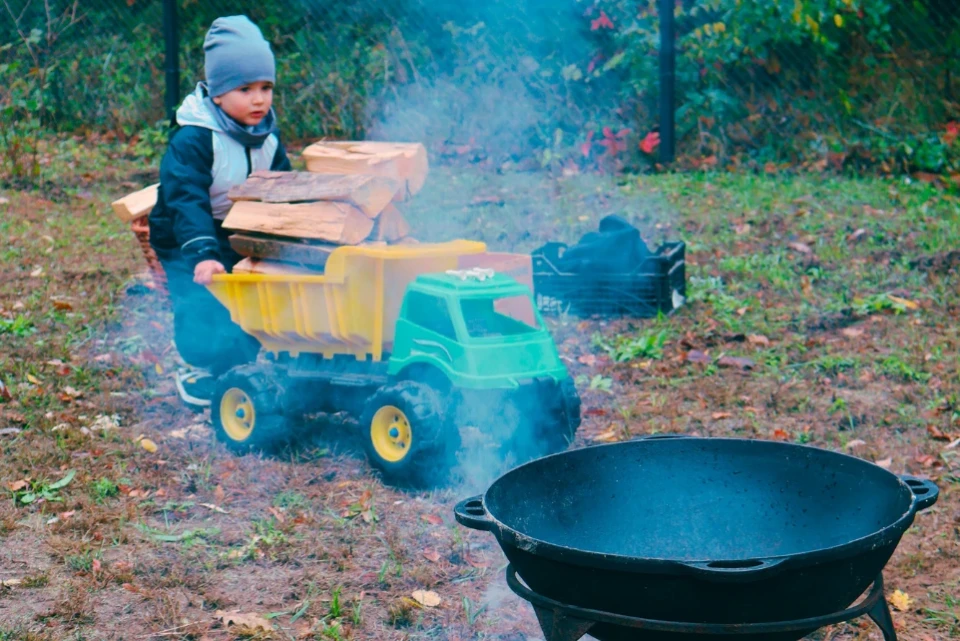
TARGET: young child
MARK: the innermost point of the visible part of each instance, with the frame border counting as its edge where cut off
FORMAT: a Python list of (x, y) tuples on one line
[(226, 130)]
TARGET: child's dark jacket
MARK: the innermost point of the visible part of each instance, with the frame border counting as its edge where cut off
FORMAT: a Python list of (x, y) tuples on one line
[(202, 163)]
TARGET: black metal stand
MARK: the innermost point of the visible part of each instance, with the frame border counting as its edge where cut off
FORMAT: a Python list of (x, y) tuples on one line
[(562, 622)]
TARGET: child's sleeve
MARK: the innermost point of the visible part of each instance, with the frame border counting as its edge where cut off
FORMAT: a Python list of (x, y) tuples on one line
[(280, 161), (186, 174)]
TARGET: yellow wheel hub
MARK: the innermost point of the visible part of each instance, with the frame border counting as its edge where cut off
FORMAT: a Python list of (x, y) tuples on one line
[(390, 433), (237, 414)]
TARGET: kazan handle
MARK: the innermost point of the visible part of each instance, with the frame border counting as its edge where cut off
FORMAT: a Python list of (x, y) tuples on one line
[(471, 513)]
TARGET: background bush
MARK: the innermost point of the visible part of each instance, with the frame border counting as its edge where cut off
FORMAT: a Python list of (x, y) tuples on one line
[(532, 83)]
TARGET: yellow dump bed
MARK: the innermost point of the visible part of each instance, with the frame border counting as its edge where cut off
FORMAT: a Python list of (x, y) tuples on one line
[(351, 308)]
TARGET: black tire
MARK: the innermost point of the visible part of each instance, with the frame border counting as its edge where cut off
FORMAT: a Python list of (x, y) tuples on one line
[(429, 456), (259, 390)]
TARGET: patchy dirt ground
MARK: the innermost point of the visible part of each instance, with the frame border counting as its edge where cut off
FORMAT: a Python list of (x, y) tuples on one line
[(821, 311)]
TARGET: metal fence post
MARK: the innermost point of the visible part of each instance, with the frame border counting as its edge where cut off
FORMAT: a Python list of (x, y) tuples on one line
[(667, 84), (172, 56)]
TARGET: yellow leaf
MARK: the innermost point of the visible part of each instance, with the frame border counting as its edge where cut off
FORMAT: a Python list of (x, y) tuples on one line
[(159, 369), (813, 24), (252, 621), (909, 304), (427, 599), (719, 27), (33, 379), (900, 600), (838, 19), (148, 445)]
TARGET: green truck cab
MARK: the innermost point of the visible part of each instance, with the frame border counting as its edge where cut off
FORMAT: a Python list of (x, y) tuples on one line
[(438, 352)]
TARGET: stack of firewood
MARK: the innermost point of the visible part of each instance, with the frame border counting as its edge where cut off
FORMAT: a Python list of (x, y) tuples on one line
[(291, 221)]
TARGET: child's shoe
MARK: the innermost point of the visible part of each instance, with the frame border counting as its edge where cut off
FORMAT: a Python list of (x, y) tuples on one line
[(196, 388)]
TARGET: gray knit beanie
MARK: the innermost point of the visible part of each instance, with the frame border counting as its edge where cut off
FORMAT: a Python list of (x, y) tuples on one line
[(236, 54)]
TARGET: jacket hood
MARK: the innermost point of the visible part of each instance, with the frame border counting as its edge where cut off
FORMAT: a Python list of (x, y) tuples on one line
[(194, 111)]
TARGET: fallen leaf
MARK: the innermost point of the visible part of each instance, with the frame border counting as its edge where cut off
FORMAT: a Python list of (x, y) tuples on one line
[(427, 598), (159, 369), (37, 272), (71, 392), (211, 506), (33, 379), (4, 201), (928, 460), (10, 431), (588, 359), (148, 445), (935, 433), (758, 339), (609, 435), (252, 621), (852, 332), (909, 304), (16, 486), (736, 362), (62, 305), (96, 566), (432, 519), (855, 443), (5, 394), (219, 494), (900, 600), (803, 248), (781, 434), (277, 514), (885, 463), (696, 356), (431, 555), (857, 235), (721, 415), (595, 411), (11, 583)]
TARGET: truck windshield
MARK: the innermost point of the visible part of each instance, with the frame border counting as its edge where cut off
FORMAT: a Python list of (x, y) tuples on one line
[(505, 316)]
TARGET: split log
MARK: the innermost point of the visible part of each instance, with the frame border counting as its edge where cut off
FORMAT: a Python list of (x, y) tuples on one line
[(273, 267), (331, 222), (265, 248), (403, 161), (136, 205), (368, 193), (390, 226)]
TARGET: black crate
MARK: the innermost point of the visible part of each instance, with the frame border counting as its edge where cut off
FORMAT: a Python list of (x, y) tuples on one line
[(657, 285)]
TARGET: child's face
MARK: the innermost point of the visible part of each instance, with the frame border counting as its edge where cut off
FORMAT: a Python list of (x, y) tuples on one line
[(248, 104)]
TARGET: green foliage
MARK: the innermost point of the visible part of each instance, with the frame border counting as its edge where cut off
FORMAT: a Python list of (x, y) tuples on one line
[(21, 326), (622, 348)]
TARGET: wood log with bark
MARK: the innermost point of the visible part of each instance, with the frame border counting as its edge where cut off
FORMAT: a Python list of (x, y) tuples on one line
[(370, 194)]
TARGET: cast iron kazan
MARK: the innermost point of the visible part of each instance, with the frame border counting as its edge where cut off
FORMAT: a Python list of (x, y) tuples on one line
[(700, 530)]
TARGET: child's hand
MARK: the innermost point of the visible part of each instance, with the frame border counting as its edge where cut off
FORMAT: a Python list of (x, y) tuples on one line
[(203, 273)]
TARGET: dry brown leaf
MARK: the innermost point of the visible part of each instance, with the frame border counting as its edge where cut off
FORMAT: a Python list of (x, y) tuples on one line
[(609, 435), (936, 433), (855, 443), (11, 583), (885, 463), (900, 600), (218, 494), (211, 506), (252, 621), (803, 248), (432, 519), (588, 359), (857, 235), (721, 415), (758, 339), (16, 486), (427, 598), (928, 460), (431, 555), (737, 362), (5, 394), (37, 272), (852, 332), (62, 305)]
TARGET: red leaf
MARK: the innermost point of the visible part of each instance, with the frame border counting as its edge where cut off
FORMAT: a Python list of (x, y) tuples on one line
[(602, 22), (935, 433), (433, 519), (650, 142), (780, 434), (595, 411), (431, 555), (5, 394)]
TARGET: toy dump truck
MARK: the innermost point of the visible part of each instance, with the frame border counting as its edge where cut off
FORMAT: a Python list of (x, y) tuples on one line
[(406, 340)]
